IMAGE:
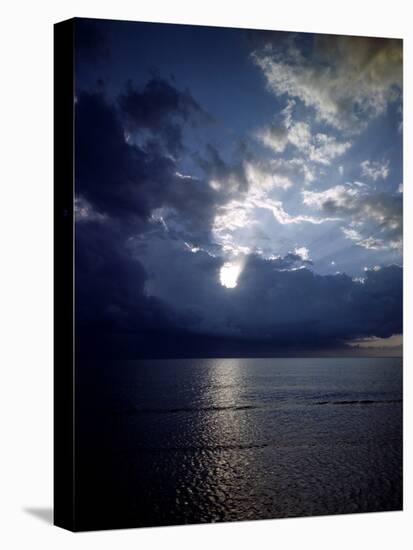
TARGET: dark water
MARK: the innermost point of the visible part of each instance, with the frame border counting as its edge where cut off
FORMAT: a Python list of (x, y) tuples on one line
[(189, 441)]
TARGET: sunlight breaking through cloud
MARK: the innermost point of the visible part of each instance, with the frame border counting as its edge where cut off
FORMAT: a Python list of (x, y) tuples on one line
[(229, 273)]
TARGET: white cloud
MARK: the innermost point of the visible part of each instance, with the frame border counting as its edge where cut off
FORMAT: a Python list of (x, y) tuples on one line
[(303, 252), (300, 167), (299, 135), (319, 148), (192, 248), (240, 216), (326, 148), (375, 170), (370, 243), (348, 80), (378, 217), (274, 137), (265, 177), (183, 176), (309, 176), (85, 212), (234, 215), (340, 196), (277, 209)]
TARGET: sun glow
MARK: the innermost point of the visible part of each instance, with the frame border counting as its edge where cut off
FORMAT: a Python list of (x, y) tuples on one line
[(229, 274)]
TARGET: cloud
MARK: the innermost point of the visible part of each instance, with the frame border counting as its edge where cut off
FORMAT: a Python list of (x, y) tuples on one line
[(337, 197), (394, 341), (160, 108), (110, 283), (126, 303), (265, 177), (239, 226), (84, 211), (271, 300), (336, 305), (155, 223), (307, 171), (370, 243), (120, 179), (223, 176), (319, 148), (299, 135), (377, 214), (326, 148), (109, 172), (303, 252), (274, 137), (375, 169), (257, 187), (345, 80), (283, 217), (245, 213)]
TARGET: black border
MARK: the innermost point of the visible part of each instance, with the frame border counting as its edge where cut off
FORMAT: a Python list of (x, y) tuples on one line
[(64, 466)]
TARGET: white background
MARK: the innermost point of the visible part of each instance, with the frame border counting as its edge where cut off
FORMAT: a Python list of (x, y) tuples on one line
[(26, 271)]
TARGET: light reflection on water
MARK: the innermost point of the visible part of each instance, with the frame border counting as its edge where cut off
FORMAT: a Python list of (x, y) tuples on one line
[(228, 427)]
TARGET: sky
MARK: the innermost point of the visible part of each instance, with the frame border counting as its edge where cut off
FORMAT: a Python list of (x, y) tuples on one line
[(237, 192)]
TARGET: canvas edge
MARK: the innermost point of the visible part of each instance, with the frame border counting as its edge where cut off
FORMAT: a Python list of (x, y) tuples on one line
[(63, 291)]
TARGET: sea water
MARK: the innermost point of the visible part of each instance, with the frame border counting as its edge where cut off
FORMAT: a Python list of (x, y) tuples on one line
[(164, 442)]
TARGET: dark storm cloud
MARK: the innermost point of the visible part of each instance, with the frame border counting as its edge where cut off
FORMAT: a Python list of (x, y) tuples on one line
[(300, 307), (274, 308), (109, 284), (158, 102), (278, 302), (126, 164), (119, 185), (110, 299), (109, 173), (159, 108), (128, 181)]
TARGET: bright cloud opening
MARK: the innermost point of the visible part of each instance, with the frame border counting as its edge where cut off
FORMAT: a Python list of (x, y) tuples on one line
[(229, 274)]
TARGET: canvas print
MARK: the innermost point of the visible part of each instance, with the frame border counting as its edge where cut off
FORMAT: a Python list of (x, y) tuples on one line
[(237, 274)]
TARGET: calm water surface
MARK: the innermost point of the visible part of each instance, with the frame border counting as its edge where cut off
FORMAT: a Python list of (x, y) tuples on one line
[(200, 440)]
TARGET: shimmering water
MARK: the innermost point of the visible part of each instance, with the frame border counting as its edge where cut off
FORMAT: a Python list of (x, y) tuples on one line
[(201, 440)]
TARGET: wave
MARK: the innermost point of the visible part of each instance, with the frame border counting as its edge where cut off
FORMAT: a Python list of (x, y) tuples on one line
[(216, 408), (359, 401), (191, 409)]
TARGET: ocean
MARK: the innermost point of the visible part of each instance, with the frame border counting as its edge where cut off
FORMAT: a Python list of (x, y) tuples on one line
[(165, 442)]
